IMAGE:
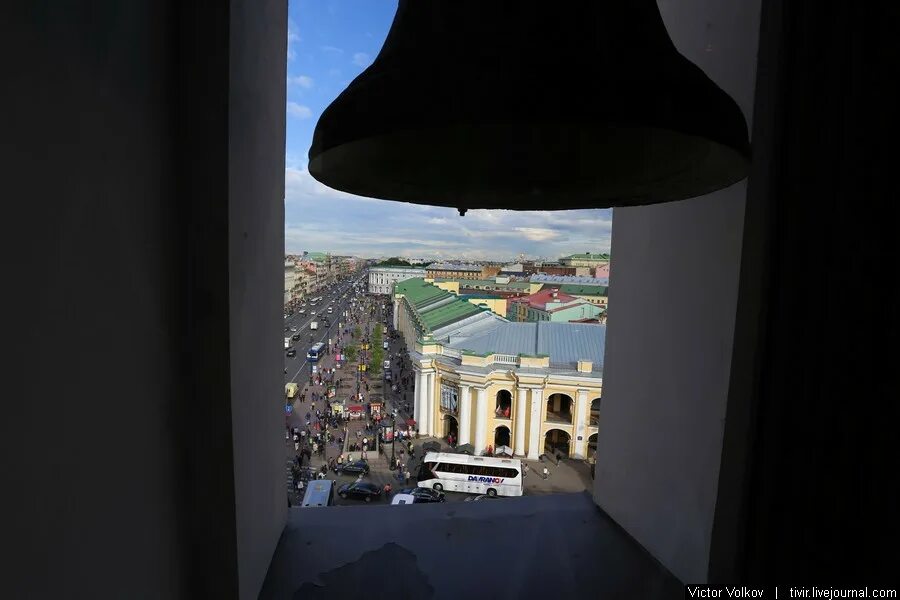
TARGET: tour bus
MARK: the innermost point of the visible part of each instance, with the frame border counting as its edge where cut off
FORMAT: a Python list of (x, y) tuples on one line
[(471, 474), (315, 352), (319, 492)]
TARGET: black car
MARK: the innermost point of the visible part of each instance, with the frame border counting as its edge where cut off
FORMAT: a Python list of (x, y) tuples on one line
[(292, 353), (422, 495), (360, 490), (357, 466), (296, 337)]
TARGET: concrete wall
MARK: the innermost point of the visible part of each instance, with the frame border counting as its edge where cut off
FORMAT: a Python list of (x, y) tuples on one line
[(155, 198), (89, 444), (256, 125), (668, 349)]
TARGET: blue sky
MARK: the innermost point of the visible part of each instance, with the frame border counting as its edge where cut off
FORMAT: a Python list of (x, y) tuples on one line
[(330, 42)]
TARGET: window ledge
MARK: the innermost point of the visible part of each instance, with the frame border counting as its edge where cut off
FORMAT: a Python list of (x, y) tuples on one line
[(323, 552)]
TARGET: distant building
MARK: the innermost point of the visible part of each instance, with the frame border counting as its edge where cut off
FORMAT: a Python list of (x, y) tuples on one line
[(591, 289), (290, 279), (534, 387), (493, 302), (382, 279), (551, 304), (585, 260), (460, 271)]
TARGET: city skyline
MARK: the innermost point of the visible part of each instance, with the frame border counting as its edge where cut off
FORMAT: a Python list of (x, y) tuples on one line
[(330, 43)]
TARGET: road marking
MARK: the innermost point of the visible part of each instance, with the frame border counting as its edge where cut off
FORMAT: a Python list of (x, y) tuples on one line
[(306, 362)]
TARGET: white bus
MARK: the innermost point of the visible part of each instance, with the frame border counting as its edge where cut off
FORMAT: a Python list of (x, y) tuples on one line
[(471, 474), (315, 352)]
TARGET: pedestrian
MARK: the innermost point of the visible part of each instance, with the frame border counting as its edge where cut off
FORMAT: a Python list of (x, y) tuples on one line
[(546, 473), (406, 475)]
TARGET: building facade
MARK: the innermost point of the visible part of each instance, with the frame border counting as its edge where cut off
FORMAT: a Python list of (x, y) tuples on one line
[(590, 289), (534, 387), (454, 271), (290, 279), (552, 304), (382, 279)]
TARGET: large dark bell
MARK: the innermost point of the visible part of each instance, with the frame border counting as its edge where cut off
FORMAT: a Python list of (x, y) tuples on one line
[(528, 105)]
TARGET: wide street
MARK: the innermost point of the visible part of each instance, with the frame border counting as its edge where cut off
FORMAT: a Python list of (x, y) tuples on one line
[(366, 313)]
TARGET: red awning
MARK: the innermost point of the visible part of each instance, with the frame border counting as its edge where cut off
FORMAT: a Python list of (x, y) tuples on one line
[(355, 408), (410, 422)]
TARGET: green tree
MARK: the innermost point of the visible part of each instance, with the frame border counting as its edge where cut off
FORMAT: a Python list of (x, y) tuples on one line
[(357, 332), (350, 351), (377, 351)]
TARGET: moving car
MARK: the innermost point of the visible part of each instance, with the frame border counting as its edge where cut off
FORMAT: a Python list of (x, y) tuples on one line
[(291, 352), (357, 466), (423, 495), (360, 490), (296, 337)]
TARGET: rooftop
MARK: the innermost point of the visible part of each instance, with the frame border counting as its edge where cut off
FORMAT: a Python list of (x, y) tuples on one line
[(539, 300), (545, 278), (438, 309), (564, 343), (411, 268), (511, 285), (578, 289), (453, 267), (587, 256)]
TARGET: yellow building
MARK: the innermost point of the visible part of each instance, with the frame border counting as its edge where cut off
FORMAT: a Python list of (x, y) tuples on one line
[(534, 387), (496, 304)]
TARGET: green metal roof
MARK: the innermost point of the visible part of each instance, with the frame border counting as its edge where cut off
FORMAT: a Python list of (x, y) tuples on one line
[(587, 256), (454, 311), (575, 289), (421, 295), (470, 283), (480, 297)]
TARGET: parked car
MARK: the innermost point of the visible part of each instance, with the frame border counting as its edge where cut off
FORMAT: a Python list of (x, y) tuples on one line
[(403, 499), (291, 352), (357, 466), (479, 497), (360, 490), (423, 495)]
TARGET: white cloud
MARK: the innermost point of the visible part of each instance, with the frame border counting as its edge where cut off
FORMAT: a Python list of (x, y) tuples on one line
[(331, 50), (298, 110), (361, 59), (538, 234), (293, 39), (320, 218), (303, 81)]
